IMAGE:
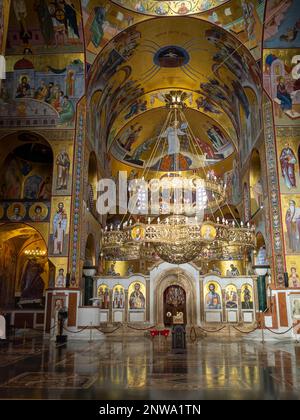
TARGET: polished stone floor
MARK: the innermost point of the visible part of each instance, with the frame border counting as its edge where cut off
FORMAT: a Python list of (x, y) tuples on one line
[(138, 368)]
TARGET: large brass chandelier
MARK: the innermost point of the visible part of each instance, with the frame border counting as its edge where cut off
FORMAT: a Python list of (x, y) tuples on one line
[(178, 227), (178, 239)]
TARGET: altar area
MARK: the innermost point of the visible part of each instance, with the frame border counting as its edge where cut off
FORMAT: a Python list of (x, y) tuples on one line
[(167, 291)]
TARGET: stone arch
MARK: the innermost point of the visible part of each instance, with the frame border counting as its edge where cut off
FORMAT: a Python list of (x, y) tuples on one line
[(175, 277), (26, 167), (19, 266)]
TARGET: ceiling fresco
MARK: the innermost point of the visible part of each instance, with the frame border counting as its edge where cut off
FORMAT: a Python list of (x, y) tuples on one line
[(134, 70), (104, 19), (22, 232), (157, 99), (242, 18), (145, 142), (282, 24), (169, 8), (45, 26)]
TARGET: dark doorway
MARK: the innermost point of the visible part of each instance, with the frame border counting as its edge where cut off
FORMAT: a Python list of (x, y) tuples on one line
[(174, 303)]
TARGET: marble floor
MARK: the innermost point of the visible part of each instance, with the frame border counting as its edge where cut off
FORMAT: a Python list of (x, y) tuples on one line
[(139, 368)]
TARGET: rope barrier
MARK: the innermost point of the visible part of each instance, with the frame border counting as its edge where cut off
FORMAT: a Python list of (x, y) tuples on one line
[(108, 332), (193, 330), (280, 333), (76, 332), (245, 332), (212, 331), (141, 329)]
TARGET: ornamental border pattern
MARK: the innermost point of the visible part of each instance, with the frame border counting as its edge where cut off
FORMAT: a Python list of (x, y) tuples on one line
[(77, 199), (274, 194)]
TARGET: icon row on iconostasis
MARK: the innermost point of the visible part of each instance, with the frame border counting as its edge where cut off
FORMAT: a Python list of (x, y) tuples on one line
[(215, 299), (136, 296), (25, 211)]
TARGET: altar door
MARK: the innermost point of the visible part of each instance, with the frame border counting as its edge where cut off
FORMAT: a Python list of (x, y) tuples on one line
[(174, 304)]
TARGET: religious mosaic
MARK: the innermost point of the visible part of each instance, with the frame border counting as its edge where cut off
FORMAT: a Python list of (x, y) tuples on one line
[(41, 93)]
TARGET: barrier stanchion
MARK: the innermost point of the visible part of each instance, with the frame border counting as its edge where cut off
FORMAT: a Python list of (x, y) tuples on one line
[(262, 319), (295, 330), (91, 333)]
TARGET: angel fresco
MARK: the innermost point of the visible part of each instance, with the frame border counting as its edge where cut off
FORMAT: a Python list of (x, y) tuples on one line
[(288, 161), (207, 105), (292, 221), (128, 138), (58, 21), (124, 46), (282, 27), (96, 29)]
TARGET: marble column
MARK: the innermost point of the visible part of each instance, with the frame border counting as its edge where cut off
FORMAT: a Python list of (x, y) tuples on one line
[(262, 294)]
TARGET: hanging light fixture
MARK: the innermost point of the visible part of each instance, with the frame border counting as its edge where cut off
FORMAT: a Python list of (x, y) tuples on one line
[(183, 227), (35, 252)]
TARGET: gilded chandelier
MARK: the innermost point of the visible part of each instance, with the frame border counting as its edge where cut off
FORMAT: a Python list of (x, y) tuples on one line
[(178, 239), (179, 225)]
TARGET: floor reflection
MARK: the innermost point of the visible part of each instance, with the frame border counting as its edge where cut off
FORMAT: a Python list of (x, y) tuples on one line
[(139, 368)]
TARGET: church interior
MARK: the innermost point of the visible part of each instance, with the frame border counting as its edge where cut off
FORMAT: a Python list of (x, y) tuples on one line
[(150, 199)]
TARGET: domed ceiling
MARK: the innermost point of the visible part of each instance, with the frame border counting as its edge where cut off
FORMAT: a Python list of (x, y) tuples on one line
[(143, 142), (169, 8), (131, 78)]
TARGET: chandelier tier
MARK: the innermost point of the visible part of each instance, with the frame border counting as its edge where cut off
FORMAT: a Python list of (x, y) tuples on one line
[(199, 193), (178, 239)]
